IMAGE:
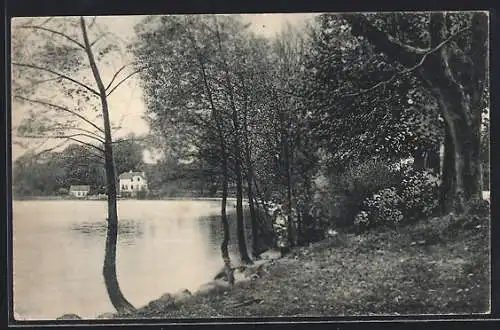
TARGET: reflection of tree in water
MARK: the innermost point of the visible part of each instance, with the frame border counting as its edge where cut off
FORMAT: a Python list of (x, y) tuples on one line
[(128, 230), (216, 234)]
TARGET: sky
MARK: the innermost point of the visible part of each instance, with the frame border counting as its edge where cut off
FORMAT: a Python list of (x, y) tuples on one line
[(126, 104)]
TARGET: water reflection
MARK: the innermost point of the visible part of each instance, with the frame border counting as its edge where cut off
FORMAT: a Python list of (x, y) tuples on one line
[(163, 246), (128, 230)]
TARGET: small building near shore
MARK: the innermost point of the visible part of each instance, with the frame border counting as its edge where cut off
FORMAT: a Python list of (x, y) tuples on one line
[(79, 191), (131, 183)]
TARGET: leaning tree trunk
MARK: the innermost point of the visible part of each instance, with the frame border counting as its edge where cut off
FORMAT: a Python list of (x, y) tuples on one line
[(109, 269)]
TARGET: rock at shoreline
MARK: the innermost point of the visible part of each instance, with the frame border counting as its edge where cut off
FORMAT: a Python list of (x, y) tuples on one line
[(181, 296), (164, 302), (69, 317), (106, 316), (214, 286), (270, 254)]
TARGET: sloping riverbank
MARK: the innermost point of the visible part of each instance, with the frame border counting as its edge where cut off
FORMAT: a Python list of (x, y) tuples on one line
[(440, 265)]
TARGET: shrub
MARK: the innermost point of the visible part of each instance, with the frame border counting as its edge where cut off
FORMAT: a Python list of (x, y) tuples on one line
[(416, 196), (419, 192), (339, 200), (383, 209), (479, 207)]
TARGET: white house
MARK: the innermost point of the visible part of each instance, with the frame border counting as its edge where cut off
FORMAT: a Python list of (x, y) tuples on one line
[(79, 191), (132, 182)]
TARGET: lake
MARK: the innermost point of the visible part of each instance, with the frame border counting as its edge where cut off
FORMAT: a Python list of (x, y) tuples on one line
[(163, 246)]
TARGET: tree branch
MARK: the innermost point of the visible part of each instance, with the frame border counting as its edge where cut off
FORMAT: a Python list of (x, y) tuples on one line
[(60, 136), (97, 39), (397, 51), (123, 80), (46, 21), (48, 149), (116, 75), (86, 143), (96, 136), (57, 74), (61, 108), (412, 68), (93, 22), (69, 137), (35, 27)]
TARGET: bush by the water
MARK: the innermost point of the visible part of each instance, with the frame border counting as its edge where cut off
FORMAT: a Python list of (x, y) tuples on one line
[(339, 201)]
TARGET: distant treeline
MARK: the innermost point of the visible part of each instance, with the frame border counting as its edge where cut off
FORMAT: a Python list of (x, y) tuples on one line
[(52, 173)]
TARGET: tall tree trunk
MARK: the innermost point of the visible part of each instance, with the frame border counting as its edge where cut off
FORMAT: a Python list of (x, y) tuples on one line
[(447, 179), (459, 102), (240, 228), (219, 122), (240, 225), (288, 183), (291, 220), (109, 269), (268, 216), (249, 179), (225, 223), (432, 160), (253, 218)]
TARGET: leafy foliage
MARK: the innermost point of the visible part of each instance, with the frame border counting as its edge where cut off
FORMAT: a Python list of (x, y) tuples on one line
[(414, 198)]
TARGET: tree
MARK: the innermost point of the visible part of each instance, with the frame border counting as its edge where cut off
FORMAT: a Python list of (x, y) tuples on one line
[(65, 60), (453, 68), (391, 123), (187, 111), (128, 155)]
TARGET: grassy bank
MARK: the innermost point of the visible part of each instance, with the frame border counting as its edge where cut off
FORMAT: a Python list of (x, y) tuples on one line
[(439, 266)]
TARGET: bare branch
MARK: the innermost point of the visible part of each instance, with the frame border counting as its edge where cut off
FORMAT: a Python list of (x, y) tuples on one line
[(68, 137), (123, 80), (131, 139), (46, 21), (116, 74), (86, 143), (39, 82), (37, 27), (101, 138), (61, 108), (97, 39), (61, 136), (50, 149), (93, 22), (57, 74)]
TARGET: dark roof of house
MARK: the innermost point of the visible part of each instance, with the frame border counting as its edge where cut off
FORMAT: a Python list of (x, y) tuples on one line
[(130, 175), (79, 188)]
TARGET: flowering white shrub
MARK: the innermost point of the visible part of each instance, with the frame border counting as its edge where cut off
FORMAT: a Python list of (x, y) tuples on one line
[(419, 191), (415, 197)]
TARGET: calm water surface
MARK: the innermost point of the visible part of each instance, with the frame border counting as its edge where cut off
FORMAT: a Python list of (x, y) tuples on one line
[(58, 252)]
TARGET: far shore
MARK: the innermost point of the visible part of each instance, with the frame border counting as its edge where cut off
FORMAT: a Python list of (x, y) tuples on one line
[(91, 198)]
